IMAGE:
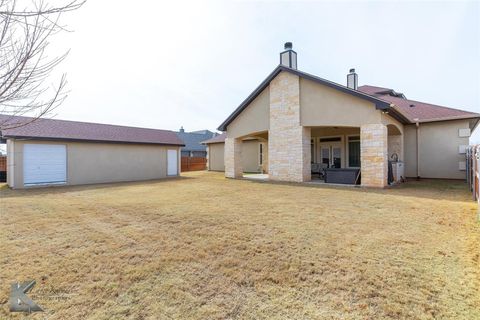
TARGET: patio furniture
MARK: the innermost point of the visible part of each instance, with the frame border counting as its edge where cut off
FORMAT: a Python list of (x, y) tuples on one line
[(341, 175)]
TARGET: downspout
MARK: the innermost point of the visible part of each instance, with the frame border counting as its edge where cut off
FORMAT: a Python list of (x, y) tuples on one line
[(417, 124)]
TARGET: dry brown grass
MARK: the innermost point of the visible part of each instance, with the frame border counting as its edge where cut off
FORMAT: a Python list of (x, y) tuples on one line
[(203, 247)]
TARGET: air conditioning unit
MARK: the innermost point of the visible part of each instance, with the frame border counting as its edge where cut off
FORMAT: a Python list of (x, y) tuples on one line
[(398, 170)]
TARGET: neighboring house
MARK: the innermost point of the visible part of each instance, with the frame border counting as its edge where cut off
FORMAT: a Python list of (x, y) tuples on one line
[(303, 121), (51, 152), (193, 142)]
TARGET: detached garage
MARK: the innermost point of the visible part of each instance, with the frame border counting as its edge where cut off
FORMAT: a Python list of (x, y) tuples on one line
[(59, 152)]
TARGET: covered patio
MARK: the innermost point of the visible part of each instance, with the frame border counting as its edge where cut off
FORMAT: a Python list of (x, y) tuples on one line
[(336, 153)]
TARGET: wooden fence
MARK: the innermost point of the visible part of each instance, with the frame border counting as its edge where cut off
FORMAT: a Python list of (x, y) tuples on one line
[(3, 163), (194, 163), (473, 172), (3, 169)]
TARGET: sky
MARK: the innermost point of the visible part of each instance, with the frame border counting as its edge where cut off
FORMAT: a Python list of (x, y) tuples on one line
[(170, 64)]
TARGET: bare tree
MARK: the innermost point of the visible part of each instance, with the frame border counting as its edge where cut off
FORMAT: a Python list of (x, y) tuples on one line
[(24, 64)]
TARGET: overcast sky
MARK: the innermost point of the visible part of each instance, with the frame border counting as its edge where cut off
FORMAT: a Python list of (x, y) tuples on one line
[(170, 64)]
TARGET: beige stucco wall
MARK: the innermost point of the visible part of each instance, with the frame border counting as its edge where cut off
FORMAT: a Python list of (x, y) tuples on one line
[(438, 146), (410, 153), (388, 120), (251, 156), (253, 119), (89, 163), (216, 159), (325, 106), (265, 156)]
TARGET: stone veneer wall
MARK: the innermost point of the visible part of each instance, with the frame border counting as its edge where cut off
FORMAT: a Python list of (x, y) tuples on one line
[(395, 146), (288, 142), (233, 158), (373, 155)]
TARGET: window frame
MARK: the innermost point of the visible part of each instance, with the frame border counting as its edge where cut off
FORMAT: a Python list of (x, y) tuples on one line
[(347, 149)]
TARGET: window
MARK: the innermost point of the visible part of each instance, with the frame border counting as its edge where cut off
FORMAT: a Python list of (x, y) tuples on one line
[(354, 151), (312, 151), (261, 153)]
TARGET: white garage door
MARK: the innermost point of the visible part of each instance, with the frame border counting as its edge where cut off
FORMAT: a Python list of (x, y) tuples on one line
[(44, 164), (172, 163)]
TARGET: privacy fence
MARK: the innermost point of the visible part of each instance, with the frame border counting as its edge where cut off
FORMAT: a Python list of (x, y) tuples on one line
[(473, 170), (194, 163), (3, 169)]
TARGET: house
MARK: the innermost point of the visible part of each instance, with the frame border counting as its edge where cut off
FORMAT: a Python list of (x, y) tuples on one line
[(193, 142), (304, 125), (52, 152)]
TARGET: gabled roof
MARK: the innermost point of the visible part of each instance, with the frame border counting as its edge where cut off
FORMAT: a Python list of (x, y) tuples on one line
[(217, 139), (379, 103), (416, 111), (193, 140), (51, 129)]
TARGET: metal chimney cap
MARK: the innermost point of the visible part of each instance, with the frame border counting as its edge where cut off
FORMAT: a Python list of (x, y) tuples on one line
[(288, 46), (352, 70)]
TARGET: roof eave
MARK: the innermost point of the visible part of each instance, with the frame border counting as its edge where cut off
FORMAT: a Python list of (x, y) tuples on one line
[(212, 142), (89, 140), (249, 99), (465, 117), (394, 113)]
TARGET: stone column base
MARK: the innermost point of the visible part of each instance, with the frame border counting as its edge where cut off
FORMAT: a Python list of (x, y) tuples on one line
[(374, 155), (233, 158)]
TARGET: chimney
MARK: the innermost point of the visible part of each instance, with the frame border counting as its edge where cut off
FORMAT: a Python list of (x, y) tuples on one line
[(288, 58), (352, 80), (181, 130)]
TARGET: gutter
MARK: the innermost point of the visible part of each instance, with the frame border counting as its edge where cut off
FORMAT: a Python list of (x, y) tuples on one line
[(417, 142)]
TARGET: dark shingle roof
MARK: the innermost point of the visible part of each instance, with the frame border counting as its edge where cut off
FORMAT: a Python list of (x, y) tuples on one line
[(217, 139), (414, 110), (193, 140), (84, 131)]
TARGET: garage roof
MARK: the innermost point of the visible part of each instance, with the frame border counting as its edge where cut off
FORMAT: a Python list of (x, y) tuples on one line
[(83, 131)]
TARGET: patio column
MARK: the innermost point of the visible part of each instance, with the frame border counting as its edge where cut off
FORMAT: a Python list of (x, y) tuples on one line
[(288, 141), (374, 155), (233, 158)]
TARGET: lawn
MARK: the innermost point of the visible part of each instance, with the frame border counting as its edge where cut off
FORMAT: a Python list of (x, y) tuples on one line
[(204, 247)]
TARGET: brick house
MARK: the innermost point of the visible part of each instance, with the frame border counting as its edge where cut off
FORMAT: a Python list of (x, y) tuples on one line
[(300, 122)]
